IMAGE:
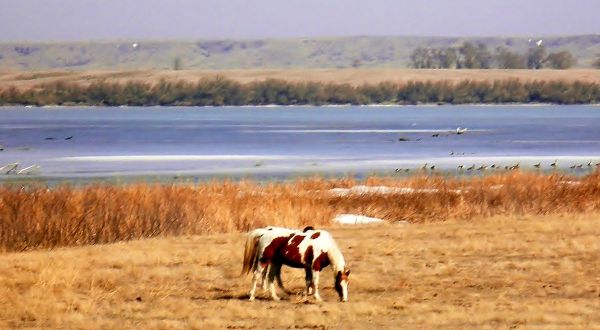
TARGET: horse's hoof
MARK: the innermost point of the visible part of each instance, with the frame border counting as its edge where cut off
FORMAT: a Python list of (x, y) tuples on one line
[(276, 298), (251, 299)]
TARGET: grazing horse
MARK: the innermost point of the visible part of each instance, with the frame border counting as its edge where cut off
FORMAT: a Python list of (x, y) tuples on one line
[(267, 249)]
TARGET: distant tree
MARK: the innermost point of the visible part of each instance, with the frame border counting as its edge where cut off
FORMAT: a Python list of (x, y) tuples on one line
[(435, 56), (448, 58), (483, 57), (468, 53), (536, 57), (177, 64), (415, 58), (505, 59), (419, 58), (596, 63), (561, 60)]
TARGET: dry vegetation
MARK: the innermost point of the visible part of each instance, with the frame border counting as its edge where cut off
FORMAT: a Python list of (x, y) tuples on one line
[(500, 272), (37, 217), (27, 80)]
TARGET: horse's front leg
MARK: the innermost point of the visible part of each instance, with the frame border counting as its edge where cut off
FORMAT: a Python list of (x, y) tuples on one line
[(315, 283), (309, 281)]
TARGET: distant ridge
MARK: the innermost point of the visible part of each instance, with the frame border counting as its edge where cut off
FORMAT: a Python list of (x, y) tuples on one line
[(292, 53)]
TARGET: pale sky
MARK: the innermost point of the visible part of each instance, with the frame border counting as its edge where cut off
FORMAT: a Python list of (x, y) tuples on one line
[(66, 20)]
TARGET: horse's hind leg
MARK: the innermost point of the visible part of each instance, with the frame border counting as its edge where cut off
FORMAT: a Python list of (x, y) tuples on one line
[(276, 269), (263, 277), (258, 273), (273, 269), (279, 281)]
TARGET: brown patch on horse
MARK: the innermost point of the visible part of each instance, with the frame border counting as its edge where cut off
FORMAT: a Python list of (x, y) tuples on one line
[(315, 235), (271, 250), (296, 240), (290, 253), (307, 228), (346, 274), (309, 255), (321, 262)]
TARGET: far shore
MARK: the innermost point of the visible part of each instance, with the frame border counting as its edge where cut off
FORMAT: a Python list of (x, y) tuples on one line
[(276, 107), (300, 87), (354, 77)]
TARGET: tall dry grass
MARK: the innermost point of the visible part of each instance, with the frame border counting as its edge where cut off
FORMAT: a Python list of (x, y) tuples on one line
[(33, 218)]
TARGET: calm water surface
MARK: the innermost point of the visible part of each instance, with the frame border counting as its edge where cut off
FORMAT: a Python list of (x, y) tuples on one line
[(71, 142)]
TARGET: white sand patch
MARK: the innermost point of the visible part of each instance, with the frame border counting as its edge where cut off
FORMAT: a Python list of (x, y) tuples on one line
[(382, 190), (354, 219), (571, 183), (366, 131)]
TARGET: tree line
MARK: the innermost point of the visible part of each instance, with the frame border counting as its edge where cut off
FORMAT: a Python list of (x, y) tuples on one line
[(471, 56), (221, 91)]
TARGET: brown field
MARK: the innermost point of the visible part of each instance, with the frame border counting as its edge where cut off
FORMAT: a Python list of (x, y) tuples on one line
[(28, 79), (513, 250), (37, 217), (500, 272)]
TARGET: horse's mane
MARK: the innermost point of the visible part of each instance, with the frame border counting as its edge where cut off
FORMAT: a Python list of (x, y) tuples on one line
[(334, 253)]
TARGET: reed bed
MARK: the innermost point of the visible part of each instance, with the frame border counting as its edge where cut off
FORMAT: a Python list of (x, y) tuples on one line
[(38, 217)]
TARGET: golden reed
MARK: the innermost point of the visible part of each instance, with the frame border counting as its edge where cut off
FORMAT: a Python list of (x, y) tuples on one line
[(32, 218)]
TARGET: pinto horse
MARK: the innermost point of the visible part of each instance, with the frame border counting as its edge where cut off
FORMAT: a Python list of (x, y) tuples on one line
[(267, 249)]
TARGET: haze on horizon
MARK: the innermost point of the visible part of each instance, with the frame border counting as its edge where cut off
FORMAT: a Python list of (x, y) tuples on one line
[(75, 20)]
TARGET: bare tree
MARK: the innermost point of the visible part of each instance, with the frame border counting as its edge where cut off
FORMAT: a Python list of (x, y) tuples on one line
[(536, 56), (561, 60)]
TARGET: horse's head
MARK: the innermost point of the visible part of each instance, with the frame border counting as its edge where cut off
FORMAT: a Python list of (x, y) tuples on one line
[(341, 283)]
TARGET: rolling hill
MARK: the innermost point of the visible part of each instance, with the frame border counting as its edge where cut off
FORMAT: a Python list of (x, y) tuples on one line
[(294, 53)]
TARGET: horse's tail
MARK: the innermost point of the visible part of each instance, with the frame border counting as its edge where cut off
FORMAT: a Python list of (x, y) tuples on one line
[(250, 254)]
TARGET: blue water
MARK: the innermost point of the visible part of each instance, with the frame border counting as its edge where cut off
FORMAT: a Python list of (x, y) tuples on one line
[(290, 140)]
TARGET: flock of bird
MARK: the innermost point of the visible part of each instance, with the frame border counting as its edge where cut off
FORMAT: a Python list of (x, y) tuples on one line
[(483, 167), (13, 168)]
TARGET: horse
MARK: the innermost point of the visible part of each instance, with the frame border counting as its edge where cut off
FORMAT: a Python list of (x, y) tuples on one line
[(267, 249)]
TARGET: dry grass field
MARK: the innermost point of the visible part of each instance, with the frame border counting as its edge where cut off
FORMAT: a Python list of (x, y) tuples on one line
[(27, 79), (511, 250), (485, 273), (37, 217)]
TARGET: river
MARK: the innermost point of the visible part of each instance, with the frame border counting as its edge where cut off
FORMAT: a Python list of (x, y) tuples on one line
[(71, 142)]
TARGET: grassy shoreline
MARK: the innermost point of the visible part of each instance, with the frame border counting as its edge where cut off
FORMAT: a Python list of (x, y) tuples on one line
[(37, 217)]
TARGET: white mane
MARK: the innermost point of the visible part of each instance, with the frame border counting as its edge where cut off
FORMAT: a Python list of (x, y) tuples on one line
[(329, 246)]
